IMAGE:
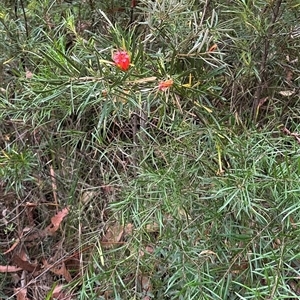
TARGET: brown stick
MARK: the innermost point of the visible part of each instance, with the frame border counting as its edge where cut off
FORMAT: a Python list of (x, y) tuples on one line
[(264, 59)]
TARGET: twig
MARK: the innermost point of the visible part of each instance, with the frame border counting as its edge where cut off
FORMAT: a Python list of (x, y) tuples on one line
[(204, 12), (265, 55), (25, 19), (296, 136)]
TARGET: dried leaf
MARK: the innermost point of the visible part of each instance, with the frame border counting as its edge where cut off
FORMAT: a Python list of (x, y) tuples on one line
[(293, 223), (87, 196), (153, 227), (9, 269), (291, 61), (262, 101), (295, 135), (29, 208), (29, 74), (287, 93), (240, 267), (145, 285), (15, 244), (21, 293), (149, 249), (56, 220), (59, 294), (207, 252), (113, 235), (294, 285), (128, 229), (73, 264), (184, 214), (25, 264), (289, 76), (60, 270)]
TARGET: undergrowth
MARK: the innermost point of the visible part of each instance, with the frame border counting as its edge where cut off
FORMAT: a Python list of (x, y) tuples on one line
[(176, 178)]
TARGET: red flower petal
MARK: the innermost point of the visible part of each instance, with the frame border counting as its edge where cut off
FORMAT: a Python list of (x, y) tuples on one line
[(122, 60)]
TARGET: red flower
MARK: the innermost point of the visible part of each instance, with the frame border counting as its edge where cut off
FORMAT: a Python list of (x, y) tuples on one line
[(164, 85), (122, 59)]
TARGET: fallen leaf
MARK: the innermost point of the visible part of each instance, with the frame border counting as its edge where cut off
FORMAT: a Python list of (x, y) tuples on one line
[(25, 264), (240, 267), (60, 270), (87, 196), (28, 74), (287, 93), (9, 269), (29, 209), (293, 223), (113, 236), (289, 76), (152, 227), (56, 220), (59, 294), (149, 249), (73, 264), (294, 285), (128, 229), (207, 252), (21, 293), (262, 101), (15, 244), (291, 61), (145, 285), (184, 214)]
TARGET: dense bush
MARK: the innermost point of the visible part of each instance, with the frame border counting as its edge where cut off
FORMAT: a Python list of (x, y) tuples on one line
[(174, 177)]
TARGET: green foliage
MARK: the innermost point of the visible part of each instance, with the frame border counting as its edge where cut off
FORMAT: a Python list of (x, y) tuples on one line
[(16, 166), (184, 192)]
